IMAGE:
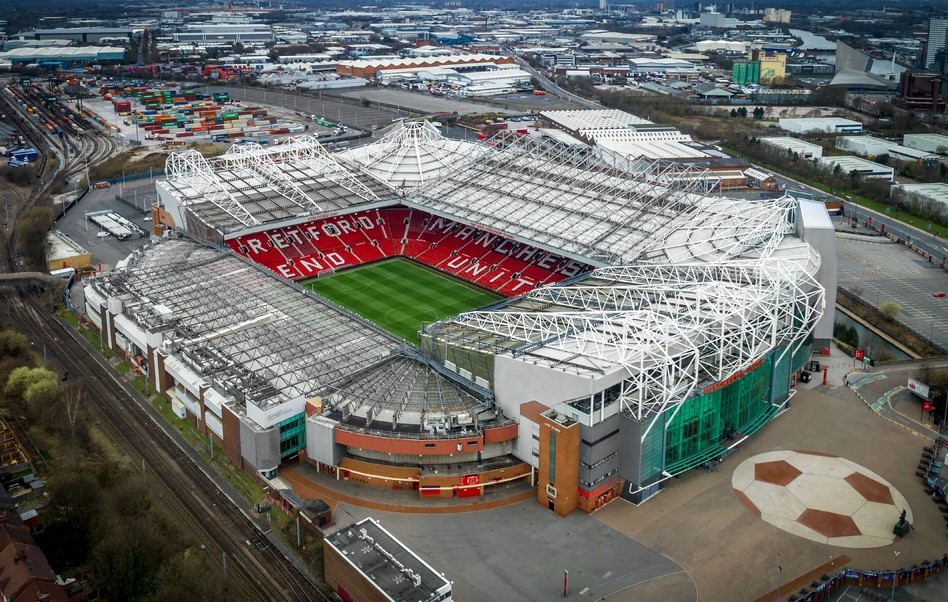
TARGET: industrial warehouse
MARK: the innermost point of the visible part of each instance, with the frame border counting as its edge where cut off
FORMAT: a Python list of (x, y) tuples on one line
[(643, 326)]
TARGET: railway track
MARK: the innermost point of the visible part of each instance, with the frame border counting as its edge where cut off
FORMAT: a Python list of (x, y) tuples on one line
[(248, 558), (92, 148)]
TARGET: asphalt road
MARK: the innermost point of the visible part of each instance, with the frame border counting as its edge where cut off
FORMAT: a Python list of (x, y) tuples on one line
[(552, 88), (919, 240)]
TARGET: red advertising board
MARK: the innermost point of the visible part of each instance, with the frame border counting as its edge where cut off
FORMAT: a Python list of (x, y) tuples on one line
[(860, 354), (926, 406), (465, 490)]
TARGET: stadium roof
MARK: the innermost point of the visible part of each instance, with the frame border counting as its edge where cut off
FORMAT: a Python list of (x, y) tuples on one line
[(263, 341), (672, 328), (411, 153), (693, 289), (258, 339), (251, 185), (403, 394), (595, 205)]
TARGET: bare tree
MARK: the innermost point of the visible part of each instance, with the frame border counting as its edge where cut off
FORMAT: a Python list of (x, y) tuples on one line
[(73, 400)]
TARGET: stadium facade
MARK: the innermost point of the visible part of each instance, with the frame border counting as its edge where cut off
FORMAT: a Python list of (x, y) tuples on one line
[(646, 328)]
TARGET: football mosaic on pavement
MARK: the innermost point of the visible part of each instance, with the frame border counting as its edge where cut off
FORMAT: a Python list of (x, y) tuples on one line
[(821, 497)]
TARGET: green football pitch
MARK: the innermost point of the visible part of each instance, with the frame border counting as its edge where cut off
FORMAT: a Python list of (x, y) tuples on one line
[(400, 295)]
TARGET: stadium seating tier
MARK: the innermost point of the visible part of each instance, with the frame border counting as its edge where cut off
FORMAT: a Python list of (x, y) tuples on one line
[(487, 259)]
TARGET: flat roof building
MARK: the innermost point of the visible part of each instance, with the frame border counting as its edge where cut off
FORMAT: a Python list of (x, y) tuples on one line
[(369, 67), (870, 146), (865, 168), (675, 68), (932, 143), (935, 192), (829, 125), (805, 149), (225, 33), (64, 252), (578, 120), (83, 35), (69, 54), (365, 562)]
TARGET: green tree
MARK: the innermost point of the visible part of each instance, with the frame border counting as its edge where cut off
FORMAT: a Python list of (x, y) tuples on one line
[(890, 309), (31, 231), (742, 112), (21, 379), (12, 343), (758, 112), (76, 498), (42, 393), (733, 112), (126, 557)]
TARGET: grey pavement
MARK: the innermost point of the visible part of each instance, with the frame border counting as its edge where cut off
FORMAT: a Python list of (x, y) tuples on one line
[(884, 389), (878, 271), (107, 251), (555, 90), (518, 554), (696, 522)]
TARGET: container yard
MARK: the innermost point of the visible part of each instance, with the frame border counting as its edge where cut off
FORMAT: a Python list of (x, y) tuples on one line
[(176, 115)]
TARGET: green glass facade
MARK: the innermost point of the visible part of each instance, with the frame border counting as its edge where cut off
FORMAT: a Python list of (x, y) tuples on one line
[(292, 435), (696, 432)]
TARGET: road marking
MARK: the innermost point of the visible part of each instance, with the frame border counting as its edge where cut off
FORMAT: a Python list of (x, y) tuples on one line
[(858, 384), (584, 591), (607, 575), (884, 400)]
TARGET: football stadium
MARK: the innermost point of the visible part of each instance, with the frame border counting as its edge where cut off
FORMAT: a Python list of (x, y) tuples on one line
[(444, 316)]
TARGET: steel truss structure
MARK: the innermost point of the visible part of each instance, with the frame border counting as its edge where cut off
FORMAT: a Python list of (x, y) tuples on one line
[(263, 342), (718, 229), (410, 154), (252, 185), (404, 391), (672, 328), (254, 337), (594, 205)]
